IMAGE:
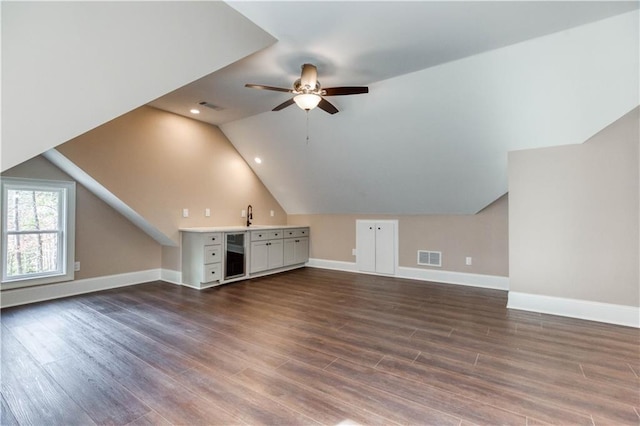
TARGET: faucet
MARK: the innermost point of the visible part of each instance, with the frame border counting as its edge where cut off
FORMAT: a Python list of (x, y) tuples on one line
[(249, 215)]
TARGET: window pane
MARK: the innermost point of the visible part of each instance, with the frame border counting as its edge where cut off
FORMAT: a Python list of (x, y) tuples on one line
[(32, 254), (29, 210)]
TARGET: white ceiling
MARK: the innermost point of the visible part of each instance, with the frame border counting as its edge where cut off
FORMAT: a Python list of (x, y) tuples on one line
[(453, 87)]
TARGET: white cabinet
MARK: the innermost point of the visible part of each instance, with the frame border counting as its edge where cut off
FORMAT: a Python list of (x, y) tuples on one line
[(296, 246), (376, 246), (266, 250), (201, 259), (212, 256)]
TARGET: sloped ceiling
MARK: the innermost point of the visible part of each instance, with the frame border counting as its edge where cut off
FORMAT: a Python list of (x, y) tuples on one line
[(68, 67), (453, 87)]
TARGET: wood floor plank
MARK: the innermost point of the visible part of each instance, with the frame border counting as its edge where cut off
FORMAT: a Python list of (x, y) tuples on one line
[(6, 415), (355, 393), (239, 400), (251, 332), (152, 418), (561, 380), (421, 393), (325, 408), (104, 399), (30, 393), (154, 388), (157, 390), (194, 339), (483, 391), (312, 346)]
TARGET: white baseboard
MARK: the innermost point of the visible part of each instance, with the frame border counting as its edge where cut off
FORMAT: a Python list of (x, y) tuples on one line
[(21, 296), (445, 277), (459, 278), (574, 308), (171, 276), (335, 265)]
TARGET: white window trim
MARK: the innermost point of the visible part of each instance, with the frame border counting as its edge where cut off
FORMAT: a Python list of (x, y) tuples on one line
[(68, 219)]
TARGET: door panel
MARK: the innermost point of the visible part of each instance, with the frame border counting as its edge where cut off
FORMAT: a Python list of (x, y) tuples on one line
[(366, 245), (385, 248)]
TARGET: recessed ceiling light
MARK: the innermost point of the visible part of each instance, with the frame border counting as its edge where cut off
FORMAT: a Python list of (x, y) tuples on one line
[(258, 160), (195, 111)]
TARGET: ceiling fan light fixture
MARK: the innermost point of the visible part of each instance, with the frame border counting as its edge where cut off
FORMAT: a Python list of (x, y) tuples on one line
[(307, 101)]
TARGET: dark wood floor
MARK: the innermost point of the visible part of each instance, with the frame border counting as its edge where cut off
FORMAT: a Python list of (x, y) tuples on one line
[(312, 346)]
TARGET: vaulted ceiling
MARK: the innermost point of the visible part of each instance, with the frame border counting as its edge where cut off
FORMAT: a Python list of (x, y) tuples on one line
[(453, 87)]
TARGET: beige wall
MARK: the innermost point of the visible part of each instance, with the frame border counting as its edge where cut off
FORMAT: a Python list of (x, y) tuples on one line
[(574, 218), (483, 236), (106, 243), (160, 163)]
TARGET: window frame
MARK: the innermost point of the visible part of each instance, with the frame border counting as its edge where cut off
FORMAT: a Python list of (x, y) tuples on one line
[(66, 231)]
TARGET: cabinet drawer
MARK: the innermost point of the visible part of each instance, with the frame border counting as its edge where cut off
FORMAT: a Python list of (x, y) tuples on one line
[(212, 238), (259, 235), (212, 254), (274, 234), (296, 232), (211, 273)]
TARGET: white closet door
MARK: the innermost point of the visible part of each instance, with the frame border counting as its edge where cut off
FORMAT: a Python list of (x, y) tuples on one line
[(366, 245), (376, 249), (385, 248)]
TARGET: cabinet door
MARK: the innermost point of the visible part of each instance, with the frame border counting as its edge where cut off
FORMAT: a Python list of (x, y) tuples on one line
[(301, 250), (289, 252), (259, 256), (385, 248), (366, 245), (275, 254), (296, 251)]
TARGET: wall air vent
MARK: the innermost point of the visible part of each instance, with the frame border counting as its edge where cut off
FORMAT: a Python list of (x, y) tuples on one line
[(429, 258), (210, 105)]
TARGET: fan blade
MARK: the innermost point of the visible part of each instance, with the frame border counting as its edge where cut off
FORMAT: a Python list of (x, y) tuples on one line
[(339, 91), (327, 106), (283, 105), (262, 87)]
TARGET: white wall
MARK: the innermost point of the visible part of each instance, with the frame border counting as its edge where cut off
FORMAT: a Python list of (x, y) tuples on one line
[(68, 67), (574, 220)]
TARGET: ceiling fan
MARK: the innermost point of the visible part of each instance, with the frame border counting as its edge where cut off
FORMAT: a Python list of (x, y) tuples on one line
[(309, 93)]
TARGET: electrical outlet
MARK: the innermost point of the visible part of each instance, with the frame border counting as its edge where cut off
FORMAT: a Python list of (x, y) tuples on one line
[(353, 252), (185, 212), (207, 212), (76, 266), (272, 213), (468, 261), (243, 213)]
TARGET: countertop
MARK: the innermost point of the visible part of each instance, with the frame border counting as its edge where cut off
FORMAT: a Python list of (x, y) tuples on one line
[(239, 228)]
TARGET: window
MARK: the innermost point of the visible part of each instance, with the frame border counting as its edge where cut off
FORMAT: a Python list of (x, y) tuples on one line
[(38, 231)]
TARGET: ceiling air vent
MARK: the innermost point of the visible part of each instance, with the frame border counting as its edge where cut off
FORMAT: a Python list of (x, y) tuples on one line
[(429, 258), (210, 105)]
